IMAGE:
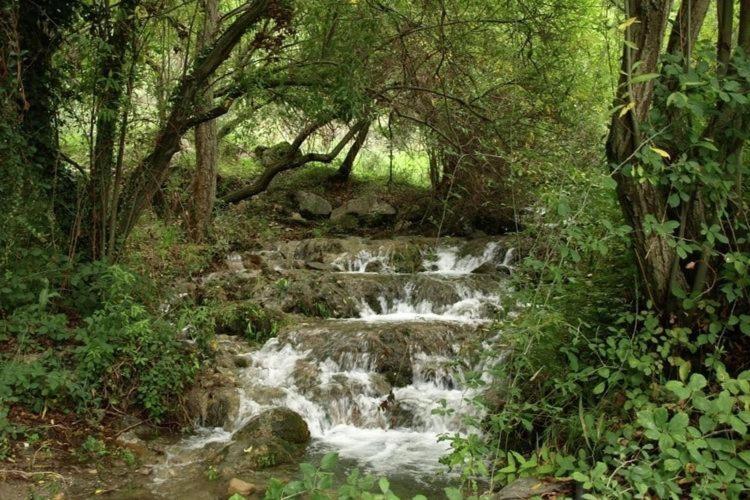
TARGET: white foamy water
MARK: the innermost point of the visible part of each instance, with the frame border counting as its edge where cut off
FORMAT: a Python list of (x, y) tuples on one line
[(449, 262), (355, 423), (348, 406), (471, 307), (360, 262)]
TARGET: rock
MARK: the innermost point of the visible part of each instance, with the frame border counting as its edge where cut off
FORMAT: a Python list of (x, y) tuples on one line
[(528, 487), (240, 362), (374, 266), (297, 217), (311, 205), (387, 347), (244, 318), (234, 262), (367, 208), (240, 487), (486, 268), (276, 436), (129, 440), (213, 401), (511, 257), (317, 266)]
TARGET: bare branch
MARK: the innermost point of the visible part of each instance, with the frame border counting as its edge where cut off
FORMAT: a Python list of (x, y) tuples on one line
[(293, 160)]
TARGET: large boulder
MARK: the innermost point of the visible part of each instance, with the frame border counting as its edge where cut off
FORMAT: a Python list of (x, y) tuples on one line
[(275, 437), (312, 206), (365, 208)]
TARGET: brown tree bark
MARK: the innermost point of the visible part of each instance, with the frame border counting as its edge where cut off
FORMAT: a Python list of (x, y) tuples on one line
[(686, 26), (639, 200), (725, 18), (203, 186), (345, 170), (291, 160)]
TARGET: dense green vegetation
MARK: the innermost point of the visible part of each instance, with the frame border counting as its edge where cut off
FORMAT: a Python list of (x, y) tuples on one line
[(143, 140)]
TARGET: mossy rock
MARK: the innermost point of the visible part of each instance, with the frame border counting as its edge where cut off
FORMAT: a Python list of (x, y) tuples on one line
[(275, 437), (247, 319), (408, 259)]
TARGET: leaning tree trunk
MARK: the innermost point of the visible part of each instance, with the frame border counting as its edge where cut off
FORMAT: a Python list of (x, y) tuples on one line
[(203, 187), (345, 170), (641, 200), (153, 170)]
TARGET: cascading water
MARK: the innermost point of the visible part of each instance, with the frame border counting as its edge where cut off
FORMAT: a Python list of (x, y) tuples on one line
[(347, 377), (365, 261), (449, 261)]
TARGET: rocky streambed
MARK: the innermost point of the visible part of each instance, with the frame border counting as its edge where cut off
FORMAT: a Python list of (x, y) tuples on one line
[(368, 344)]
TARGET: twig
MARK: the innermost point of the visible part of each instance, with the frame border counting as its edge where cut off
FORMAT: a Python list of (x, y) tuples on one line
[(30, 475)]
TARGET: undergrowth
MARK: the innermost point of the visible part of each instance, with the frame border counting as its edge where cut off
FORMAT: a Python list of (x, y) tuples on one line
[(593, 388), (89, 338)]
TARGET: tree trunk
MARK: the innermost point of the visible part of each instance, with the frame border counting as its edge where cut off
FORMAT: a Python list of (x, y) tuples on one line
[(111, 75), (686, 27), (153, 170), (203, 187), (345, 170), (725, 18), (293, 159), (641, 200), (39, 25)]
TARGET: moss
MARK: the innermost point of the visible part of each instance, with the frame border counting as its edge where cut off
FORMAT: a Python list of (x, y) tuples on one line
[(408, 259), (247, 319)]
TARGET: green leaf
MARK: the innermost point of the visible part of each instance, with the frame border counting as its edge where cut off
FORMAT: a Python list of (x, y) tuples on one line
[(678, 388), (563, 208), (645, 77), (672, 464), (308, 470), (329, 461), (738, 425), (453, 494), (697, 382), (678, 99), (678, 424), (706, 424)]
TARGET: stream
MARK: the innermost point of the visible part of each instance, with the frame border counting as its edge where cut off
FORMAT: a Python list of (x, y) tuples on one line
[(368, 379)]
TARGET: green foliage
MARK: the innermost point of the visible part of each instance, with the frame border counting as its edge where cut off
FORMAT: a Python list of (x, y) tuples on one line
[(596, 387), (318, 483), (93, 449), (98, 347)]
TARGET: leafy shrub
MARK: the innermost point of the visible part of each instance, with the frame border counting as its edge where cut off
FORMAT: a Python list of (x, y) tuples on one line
[(319, 483), (82, 337), (594, 387)]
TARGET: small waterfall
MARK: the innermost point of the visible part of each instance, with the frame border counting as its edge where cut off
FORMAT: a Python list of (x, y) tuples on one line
[(332, 371), (365, 261), (471, 307), (448, 260), (349, 411)]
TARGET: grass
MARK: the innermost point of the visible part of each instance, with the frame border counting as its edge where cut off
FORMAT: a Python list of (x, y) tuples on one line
[(409, 168)]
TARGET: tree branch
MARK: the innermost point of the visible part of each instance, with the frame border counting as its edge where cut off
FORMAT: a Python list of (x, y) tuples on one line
[(293, 160)]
